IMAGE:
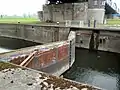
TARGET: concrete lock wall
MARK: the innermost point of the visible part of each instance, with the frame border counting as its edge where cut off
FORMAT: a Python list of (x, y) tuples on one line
[(51, 58), (47, 34), (36, 33), (107, 40), (54, 58)]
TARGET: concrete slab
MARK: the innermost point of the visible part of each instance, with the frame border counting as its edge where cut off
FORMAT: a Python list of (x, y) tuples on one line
[(14, 77)]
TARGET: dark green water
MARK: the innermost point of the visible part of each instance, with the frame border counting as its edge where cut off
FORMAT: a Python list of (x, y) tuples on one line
[(8, 44), (12, 43), (101, 69)]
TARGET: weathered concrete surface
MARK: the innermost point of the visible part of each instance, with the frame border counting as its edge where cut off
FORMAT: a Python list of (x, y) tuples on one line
[(50, 33), (85, 10), (96, 14), (54, 58), (96, 10), (13, 77), (36, 33), (62, 12), (109, 39)]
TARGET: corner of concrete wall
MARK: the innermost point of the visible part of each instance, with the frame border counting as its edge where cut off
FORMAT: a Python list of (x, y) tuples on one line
[(96, 14), (71, 39), (40, 15)]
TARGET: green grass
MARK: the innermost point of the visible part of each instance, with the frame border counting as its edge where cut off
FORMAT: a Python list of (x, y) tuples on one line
[(113, 21), (37, 21), (21, 20)]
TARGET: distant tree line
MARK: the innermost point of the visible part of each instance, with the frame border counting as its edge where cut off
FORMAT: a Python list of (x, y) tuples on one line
[(18, 16), (64, 1)]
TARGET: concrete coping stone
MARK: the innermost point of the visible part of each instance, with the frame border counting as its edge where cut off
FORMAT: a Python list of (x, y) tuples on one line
[(13, 77)]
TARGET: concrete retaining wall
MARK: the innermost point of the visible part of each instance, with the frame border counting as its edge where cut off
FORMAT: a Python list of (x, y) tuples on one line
[(54, 58), (46, 34), (108, 41), (51, 58), (36, 33)]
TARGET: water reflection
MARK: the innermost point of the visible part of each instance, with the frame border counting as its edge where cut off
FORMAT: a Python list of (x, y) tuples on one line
[(96, 68), (3, 50), (12, 43), (8, 44)]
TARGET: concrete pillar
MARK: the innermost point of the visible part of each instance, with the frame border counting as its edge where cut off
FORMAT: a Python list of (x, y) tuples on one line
[(40, 15), (96, 10), (96, 14)]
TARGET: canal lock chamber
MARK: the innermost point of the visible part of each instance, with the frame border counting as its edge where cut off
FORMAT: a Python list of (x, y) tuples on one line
[(98, 68)]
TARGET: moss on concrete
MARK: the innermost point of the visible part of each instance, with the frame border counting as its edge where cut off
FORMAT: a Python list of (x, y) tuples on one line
[(4, 65)]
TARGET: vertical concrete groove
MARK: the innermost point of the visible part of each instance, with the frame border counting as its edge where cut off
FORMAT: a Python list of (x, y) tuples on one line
[(91, 44), (94, 40)]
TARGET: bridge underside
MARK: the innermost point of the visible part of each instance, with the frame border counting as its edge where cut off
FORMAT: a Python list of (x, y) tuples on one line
[(66, 1), (109, 9)]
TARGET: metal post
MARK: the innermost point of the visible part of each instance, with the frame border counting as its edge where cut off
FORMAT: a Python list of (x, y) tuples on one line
[(95, 23), (70, 54), (88, 23)]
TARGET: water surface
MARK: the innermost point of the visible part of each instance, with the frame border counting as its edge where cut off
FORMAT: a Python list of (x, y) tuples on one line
[(96, 68), (8, 44)]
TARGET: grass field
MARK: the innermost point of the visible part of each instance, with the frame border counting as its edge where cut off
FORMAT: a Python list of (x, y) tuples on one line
[(113, 22), (21, 20), (110, 22)]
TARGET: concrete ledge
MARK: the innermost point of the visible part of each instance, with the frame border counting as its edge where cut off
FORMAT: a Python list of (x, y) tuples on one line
[(13, 77)]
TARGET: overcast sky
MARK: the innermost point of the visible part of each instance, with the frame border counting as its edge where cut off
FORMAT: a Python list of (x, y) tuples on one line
[(19, 7)]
